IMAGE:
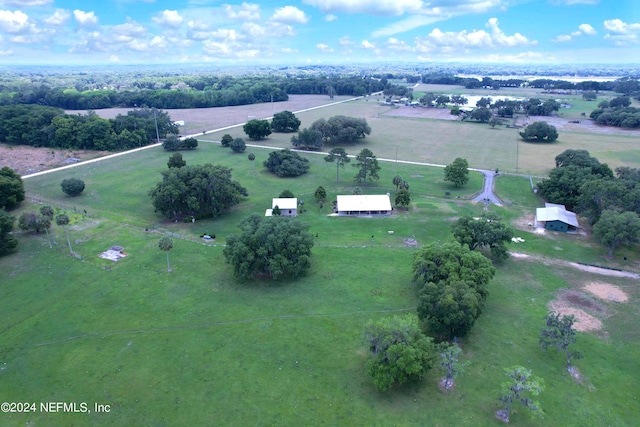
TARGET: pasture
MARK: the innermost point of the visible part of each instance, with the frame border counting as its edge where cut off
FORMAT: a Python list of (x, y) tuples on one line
[(440, 142), (196, 347)]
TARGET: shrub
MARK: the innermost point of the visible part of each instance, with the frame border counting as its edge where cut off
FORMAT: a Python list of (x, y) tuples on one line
[(72, 186)]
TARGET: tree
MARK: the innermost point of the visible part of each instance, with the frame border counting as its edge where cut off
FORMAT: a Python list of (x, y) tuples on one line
[(442, 100), (397, 180), (238, 145), (356, 191), (308, 139), (257, 129), (286, 194), (273, 246), (520, 386), (615, 229), (559, 333), (488, 231), (452, 282), (564, 184), (72, 186), (47, 216), (481, 114), (286, 163), (276, 211), (63, 220), (403, 198), (450, 363), (251, 158), (176, 161), (201, 191), (459, 100), (226, 140), (7, 241), (539, 132), (320, 194), (166, 244), (285, 121), (495, 121), (172, 143), (11, 188), (595, 195), (367, 165), (31, 221), (399, 351), (342, 129), (339, 156), (457, 172)]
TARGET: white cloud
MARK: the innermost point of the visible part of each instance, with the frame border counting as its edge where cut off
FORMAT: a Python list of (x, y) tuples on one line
[(345, 41), (587, 29), (397, 45), (224, 34), (523, 57), (374, 7), (366, 44), (230, 50), (563, 38), (244, 12), (85, 19), (288, 50), (130, 28), (290, 15), (14, 22), (114, 58), (621, 33), (59, 17), (620, 27), (330, 17), (27, 3), (324, 48), (451, 41), (170, 18), (574, 2)]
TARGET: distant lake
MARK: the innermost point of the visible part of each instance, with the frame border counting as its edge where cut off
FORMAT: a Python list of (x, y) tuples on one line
[(473, 99), (572, 79)]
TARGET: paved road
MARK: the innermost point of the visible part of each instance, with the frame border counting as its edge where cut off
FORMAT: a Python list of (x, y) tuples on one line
[(487, 195)]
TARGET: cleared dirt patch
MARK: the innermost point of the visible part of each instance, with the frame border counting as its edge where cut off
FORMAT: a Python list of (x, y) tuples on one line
[(606, 292), (25, 159), (584, 321)]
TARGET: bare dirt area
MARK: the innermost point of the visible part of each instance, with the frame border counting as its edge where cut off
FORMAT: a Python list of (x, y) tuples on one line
[(26, 160), (583, 125), (606, 292), (584, 321)]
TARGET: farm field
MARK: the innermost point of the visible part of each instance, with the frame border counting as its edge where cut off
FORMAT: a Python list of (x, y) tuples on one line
[(197, 347)]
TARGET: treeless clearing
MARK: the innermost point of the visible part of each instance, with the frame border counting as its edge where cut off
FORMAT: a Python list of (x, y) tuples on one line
[(606, 292)]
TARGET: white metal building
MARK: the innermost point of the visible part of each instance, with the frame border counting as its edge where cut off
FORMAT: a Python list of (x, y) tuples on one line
[(355, 205)]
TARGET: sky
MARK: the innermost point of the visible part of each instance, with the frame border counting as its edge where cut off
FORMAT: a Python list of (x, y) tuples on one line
[(329, 32)]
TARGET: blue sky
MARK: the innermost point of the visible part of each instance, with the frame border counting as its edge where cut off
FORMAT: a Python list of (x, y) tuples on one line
[(277, 32)]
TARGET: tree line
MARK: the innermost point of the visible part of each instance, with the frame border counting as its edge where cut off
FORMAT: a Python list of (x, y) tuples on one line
[(41, 126), (193, 92)]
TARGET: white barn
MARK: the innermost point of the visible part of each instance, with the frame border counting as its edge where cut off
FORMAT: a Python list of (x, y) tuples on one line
[(287, 206), (369, 205)]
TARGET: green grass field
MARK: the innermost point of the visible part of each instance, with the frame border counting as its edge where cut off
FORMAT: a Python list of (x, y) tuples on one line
[(440, 141), (196, 347)]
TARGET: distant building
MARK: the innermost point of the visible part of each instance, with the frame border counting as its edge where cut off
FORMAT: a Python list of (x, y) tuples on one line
[(287, 206), (557, 218), (364, 205)]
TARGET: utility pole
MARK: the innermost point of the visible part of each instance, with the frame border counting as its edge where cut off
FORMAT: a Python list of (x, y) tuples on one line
[(156, 122)]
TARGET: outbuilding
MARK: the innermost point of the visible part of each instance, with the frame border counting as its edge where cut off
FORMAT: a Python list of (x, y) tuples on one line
[(287, 206), (557, 218), (364, 205)]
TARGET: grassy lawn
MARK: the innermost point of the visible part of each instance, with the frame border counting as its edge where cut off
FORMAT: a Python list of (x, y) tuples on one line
[(196, 347), (441, 141)]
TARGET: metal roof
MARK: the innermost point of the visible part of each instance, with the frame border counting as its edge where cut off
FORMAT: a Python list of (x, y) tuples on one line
[(364, 203), (557, 213), (288, 203)]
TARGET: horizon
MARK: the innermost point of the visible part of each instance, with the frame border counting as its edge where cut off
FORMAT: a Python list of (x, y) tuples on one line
[(319, 32)]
